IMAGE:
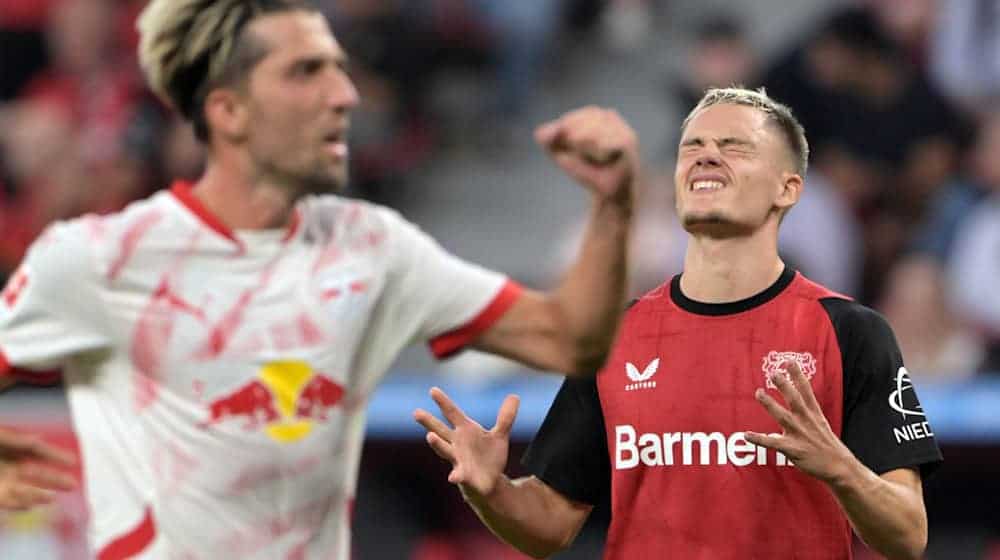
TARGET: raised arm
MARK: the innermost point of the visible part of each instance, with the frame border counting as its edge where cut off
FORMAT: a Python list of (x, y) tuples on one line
[(525, 513), (571, 328)]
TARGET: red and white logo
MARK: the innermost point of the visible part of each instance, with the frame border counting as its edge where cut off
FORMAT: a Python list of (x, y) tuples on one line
[(774, 360)]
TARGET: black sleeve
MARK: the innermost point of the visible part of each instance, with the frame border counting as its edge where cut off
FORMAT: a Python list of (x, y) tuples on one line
[(883, 423), (570, 451)]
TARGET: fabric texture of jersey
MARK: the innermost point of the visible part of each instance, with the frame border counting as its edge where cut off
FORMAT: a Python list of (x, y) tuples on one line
[(661, 428), (218, 380)]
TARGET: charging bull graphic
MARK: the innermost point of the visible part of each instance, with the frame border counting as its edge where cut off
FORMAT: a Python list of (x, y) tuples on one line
[(287, 398)]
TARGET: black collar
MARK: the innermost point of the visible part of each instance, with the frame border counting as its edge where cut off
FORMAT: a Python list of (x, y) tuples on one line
[(728, 308)]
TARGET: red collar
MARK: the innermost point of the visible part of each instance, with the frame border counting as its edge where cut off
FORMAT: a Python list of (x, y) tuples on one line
[(183, 192)]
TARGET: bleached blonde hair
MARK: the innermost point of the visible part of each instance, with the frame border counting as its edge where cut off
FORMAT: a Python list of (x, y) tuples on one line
[(188, 47), (777, 113)]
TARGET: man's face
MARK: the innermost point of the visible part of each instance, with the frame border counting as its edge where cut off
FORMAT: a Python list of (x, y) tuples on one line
[(298, 100), (732, 166)]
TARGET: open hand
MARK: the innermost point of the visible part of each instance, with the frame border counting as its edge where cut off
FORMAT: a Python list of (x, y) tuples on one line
[(477, 456), (596, 147), (31, 471), (807, 439)]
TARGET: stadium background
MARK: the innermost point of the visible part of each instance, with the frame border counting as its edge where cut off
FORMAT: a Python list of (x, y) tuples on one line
[(902, 207)]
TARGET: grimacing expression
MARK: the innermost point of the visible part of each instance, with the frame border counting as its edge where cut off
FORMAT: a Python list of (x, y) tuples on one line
[(732, 174), (299, 99)]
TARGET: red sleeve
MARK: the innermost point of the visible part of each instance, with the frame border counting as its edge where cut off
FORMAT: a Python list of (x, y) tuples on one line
[(448, 344), (29, 377)]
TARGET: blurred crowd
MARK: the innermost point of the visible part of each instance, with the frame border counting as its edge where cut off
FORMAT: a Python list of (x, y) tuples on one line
[(900, 100)]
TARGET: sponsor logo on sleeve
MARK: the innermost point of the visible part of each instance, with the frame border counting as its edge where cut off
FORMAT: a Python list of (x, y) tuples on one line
[(904, 401)]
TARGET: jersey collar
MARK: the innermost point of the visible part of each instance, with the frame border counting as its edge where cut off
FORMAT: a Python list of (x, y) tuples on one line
[(183, 192), (729, 308)]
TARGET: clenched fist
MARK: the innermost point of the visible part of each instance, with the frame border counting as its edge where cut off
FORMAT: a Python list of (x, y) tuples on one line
[(597, 148)]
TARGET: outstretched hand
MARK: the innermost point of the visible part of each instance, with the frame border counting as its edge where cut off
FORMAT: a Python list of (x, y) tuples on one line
[(477, 456), (806, 439), (597, 148), (31, 471)]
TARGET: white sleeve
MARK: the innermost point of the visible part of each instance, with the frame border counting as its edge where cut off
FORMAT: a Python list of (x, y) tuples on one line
[(452, 300), (50, 309)]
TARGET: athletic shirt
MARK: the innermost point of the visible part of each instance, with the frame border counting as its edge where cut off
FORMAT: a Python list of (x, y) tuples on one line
[(218, 380), (661, 428)]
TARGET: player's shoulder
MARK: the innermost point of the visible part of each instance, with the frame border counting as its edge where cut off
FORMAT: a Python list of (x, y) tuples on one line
[(97, 230), (854, 322)]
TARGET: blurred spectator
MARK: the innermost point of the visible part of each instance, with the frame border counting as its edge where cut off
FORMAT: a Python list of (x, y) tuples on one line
[(909, 23), (522, 33), (822, 238), (974, 268), (720, 55), (934, 341), (965, 51), (953, 203), (41, 156), (879, 131)]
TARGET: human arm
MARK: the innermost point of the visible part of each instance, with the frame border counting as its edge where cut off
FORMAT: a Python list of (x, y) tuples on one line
[(571, 328), (526, 513), (48, 315)]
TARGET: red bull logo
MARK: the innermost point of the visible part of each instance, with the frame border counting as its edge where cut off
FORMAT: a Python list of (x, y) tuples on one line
[(287, 398)]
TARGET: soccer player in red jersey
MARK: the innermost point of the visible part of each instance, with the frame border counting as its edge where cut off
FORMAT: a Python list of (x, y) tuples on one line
[(219, 340), (744, 412)]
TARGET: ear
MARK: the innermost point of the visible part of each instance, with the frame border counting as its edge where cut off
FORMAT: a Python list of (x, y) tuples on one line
[(227, 114), (791, 189)]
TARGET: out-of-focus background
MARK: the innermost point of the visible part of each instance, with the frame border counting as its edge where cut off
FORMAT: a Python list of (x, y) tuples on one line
[(900, 100)]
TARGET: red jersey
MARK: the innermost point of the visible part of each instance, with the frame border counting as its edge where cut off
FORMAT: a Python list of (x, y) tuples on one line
[(661, 428)]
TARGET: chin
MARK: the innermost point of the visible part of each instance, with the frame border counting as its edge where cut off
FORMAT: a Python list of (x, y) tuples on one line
[(714, 224), (324, 183)]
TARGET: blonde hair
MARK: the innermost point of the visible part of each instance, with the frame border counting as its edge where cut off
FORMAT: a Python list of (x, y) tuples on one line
[(188, 47), (777, 113)]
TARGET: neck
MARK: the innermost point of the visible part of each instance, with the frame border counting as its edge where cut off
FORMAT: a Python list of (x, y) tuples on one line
[(242, 201), (726, 270)]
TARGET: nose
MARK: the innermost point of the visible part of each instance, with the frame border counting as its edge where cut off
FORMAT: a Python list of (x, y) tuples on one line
[(343, 94), (708, 159)]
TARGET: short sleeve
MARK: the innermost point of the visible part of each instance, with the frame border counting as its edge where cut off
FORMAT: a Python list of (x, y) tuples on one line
[(884, 424), (451, 300), (570, 451), (49, 310)]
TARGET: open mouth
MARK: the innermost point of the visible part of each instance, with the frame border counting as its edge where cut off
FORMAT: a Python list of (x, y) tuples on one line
[(706, 185), (336, 143)]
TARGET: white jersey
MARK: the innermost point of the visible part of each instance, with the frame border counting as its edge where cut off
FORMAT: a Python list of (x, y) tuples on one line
[(218, 380)]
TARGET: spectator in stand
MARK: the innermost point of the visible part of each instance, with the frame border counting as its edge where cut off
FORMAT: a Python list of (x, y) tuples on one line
[(721, 55), (974, 268), (956, 200), (935, 342), (965, 51), (884, 136)]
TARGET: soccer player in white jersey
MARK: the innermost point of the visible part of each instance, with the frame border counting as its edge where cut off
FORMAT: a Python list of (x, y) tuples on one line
[(219, 340)]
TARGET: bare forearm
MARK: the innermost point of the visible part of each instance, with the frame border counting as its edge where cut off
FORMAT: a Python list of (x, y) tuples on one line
[(529, 516), (889, 516), (592, 294)]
